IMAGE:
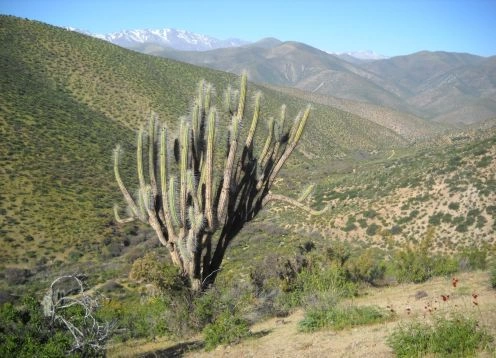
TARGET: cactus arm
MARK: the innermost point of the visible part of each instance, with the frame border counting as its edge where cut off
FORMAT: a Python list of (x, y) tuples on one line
[(254, 122), (129, 199), (192, 190), (270, 136), (172, 201), (208, 97), (227, 100), (119, 219), (195, 128), (228, 170), (208, 168), (294, 137), (200, 100), (163, 183), (282, 116), (139, 159), (242, 96), (183, 167), (279, 133), (226, 184), (151, 155), (306, 193)]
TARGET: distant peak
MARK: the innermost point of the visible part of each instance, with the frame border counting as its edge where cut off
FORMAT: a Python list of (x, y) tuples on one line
[(361, 55), (267, 42)]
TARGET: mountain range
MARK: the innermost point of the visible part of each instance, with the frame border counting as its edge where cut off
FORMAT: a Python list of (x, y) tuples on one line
[(444, 87), (164, 38), (453, 88)]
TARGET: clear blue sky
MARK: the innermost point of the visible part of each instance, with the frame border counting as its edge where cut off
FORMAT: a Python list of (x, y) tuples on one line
[(388, 27)]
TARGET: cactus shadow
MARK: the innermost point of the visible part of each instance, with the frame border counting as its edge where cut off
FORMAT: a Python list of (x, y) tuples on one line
[(176, 351)]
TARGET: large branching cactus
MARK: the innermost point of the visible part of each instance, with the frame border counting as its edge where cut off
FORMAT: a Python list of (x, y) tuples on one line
[(189, 194)]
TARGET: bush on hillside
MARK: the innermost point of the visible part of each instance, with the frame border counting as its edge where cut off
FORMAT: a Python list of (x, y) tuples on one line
[(455, 336), (493, 274)]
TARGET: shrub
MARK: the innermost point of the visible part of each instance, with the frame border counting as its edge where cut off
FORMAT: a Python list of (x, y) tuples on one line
[(138, 319), (151, 269), (24, 332), (492, 274), (366, 268), (454, 206), (324, 279), (484, 162), (16, 276), (473, 259), (342, 317), (226, 329), (369, 214), (458, 336), (411, 266), (372, 229)]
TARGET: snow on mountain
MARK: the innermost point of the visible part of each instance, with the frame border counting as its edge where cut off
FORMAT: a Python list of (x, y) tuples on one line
[(366, 55), (176, 39), (189, 41), (360, 55)]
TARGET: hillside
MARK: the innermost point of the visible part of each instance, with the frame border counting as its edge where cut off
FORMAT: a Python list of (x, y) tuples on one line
[(404, 124), (452, 88), (447, 87), (296, 65), (67, 99)]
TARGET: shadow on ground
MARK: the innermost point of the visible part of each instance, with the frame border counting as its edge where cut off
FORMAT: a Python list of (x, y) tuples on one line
[(180, 349), (176, 351)]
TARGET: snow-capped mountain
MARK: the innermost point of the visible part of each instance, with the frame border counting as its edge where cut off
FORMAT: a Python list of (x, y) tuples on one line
[(360, 55), (176, 39), (366, 55)]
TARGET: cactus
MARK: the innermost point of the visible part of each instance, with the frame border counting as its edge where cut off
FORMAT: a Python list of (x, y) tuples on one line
[(201, 200)]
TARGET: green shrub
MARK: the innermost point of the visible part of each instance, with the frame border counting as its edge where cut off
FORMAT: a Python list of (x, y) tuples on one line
[(492, 274), (151, 269), (226, 329), (473, 259), (417, 266), (454, 206), (395, 230), (484, 162), (372, 229), (411, 266), (317, 284), (366, 268), (342, 317), (369, 214), (25, 332), (136, 319), (443, 265), (458, 337)]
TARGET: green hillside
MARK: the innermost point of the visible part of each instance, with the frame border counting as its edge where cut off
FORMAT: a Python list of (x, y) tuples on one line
[(67, 99)]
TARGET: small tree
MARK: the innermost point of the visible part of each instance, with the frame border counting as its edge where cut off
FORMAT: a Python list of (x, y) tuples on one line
[(206, 196)]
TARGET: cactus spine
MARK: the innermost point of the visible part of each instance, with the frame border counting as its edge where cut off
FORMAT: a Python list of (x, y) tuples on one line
[(188, 208)]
